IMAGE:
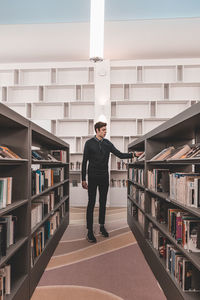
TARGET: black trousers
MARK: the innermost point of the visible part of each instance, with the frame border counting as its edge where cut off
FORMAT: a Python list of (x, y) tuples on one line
[(102, 183)]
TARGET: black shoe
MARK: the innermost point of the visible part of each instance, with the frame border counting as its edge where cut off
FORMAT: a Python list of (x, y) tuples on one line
[(90, 237), (103, 232)]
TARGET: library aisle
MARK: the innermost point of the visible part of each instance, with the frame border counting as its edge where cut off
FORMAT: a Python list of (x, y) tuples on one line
[(111, 269)]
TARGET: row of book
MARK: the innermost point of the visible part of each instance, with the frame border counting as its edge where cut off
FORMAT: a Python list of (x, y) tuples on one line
[(181, 187), (121, 165), (158, 180), (52, 155), (136, 213), (45, 178), (5, 281), (183, 152), (42, 235), (137, 195), (5, 191), (44, 204), (118, 182), (75, 166), (141, 218), (7, 233), (159, 210), (184, 227), (185, 188), (136, 175), (180, 268), (7, 153)]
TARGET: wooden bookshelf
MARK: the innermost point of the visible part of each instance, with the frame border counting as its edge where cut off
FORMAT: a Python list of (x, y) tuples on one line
[(180, 130), (19, 134)]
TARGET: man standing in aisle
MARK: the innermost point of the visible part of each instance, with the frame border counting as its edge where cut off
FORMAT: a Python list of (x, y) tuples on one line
[(97, 151)]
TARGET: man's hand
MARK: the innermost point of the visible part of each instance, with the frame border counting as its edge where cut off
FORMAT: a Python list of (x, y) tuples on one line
[(84, 185)]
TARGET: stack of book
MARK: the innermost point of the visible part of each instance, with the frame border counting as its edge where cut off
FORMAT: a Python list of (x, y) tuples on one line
[(7, 153), (43, 155), (182, 152)]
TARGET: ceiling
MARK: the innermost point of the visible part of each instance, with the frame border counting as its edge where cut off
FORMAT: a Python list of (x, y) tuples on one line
[(62, 11), (58, 30)]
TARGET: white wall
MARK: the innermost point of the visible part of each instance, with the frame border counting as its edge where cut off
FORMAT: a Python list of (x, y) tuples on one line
[(139, 39)]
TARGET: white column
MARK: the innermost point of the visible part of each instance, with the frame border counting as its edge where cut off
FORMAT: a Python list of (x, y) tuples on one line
[(102, 93), (102, 97)]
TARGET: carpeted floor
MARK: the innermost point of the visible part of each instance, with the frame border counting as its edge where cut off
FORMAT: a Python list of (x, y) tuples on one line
[(112, 269)]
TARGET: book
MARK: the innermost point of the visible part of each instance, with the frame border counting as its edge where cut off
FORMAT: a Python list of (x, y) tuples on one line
[(193, 235), (163, 154), (9, 152), (179, 152), (190, 279)]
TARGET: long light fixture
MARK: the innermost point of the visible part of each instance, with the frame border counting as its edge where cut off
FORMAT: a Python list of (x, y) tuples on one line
[(97, 29)]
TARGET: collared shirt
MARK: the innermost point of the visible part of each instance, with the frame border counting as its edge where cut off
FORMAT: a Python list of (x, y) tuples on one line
[(97, 153)]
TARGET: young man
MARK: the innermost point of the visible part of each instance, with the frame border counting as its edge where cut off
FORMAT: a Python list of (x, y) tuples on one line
[(97, 151)]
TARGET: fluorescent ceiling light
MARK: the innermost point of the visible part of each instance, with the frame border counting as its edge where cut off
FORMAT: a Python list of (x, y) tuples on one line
[(97, 29)]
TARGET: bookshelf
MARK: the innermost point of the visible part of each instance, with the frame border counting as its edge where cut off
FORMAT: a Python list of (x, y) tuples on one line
[(21, 135), (63, 98), (152, 223)]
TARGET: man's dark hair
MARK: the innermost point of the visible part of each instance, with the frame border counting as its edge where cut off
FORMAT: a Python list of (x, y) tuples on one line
[(99, 125)]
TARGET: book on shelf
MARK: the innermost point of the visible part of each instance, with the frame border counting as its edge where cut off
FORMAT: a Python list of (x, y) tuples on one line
[(136, 175), (43, 155), (37, 213), (192, 235), (138, 156), (37, 244), (179, 152), (191, 275), (159, 210), (185, 228), (185, 188), (3, 238), (137, 195), (163, 154), (44, 178), (5, 191), (118, 182), (158, 180), (60, 155), (157, 239), (6, 152), (192, 153), (5, 281), (10, 222), (141, 218), (182, 270)]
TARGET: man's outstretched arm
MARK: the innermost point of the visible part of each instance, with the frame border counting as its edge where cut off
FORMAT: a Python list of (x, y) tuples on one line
[(119, 154)]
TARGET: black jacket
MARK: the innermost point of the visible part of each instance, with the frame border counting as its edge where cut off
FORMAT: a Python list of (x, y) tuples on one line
[(97, 153)]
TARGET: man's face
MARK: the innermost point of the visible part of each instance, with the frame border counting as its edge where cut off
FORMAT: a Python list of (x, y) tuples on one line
[(101, 132)]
